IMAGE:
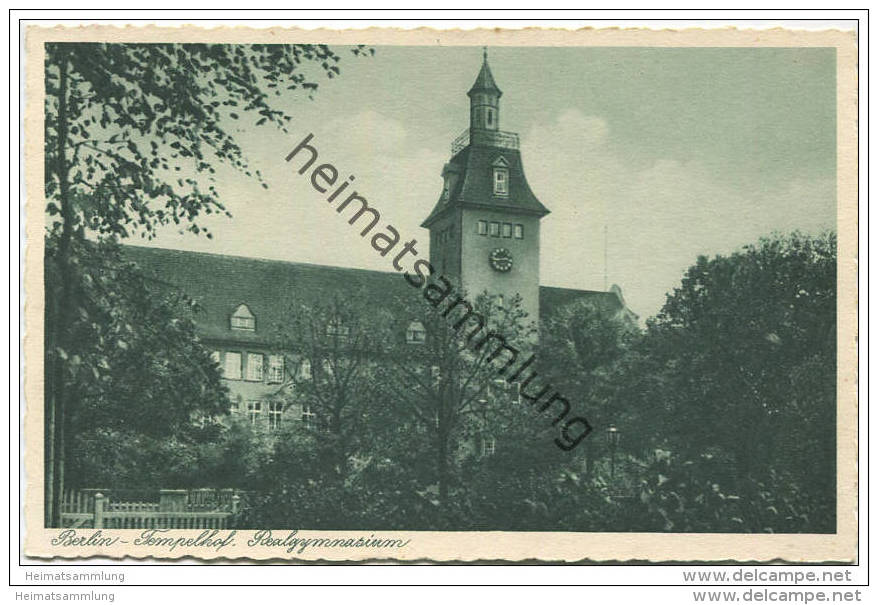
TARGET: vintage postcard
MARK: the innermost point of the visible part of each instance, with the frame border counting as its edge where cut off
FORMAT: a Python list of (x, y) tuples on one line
[(426, 295)]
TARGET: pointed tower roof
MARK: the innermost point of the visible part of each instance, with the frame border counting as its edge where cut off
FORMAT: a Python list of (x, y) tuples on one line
[(485, 80)]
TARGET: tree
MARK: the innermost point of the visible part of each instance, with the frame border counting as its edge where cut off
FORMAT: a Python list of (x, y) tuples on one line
[(335, 341), (439, 385), (739, 368), (581, 346), (132, 136), (146, 391)]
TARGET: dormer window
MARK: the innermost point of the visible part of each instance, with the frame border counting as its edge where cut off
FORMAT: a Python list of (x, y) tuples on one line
[(243, 319), (415, 334), (501, 176), (336, 328)]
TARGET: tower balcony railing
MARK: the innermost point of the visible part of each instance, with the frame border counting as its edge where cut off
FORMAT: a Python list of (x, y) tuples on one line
[(481, 136)]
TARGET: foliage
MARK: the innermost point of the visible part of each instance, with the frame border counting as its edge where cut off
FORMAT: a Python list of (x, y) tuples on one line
[(417, 413), (335, 340), (739, 367), (237, 456), (133, 135), (134, 132), (449, 390), (700, 495), (676, 391), (582, 346), (140, 381)]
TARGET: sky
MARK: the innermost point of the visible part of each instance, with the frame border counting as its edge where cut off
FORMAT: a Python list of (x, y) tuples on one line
[(672, 153)]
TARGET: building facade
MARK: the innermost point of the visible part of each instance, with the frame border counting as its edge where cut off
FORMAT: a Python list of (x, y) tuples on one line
[(485, 227), (484, 233)]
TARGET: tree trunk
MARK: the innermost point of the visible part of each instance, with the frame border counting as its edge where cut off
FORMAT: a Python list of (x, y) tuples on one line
[(339, 448), (443, 434), (443, 470), (61, 306)]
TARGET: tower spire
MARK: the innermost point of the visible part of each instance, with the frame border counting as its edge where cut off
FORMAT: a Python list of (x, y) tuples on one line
[(485, 80), (485, 98)]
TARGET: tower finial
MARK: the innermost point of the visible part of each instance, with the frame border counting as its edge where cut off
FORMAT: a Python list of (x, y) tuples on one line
[(485, 53)]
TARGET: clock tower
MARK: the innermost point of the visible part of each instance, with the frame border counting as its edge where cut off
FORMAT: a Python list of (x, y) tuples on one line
[(485, 228)]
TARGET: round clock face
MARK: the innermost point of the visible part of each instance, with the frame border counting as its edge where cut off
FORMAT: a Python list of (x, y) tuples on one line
[(501, 259)]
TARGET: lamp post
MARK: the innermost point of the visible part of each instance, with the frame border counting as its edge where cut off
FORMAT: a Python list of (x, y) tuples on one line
[(612, 440)]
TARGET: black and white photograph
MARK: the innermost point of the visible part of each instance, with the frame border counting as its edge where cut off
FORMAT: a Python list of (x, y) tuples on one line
[(336, 299)]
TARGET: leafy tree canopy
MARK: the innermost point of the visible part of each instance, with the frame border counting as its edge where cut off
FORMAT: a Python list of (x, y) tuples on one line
[(740, 366), (134, 131)]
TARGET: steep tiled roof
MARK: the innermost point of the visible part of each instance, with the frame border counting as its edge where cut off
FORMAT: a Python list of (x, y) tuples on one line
[(220, 283), (476, 185)]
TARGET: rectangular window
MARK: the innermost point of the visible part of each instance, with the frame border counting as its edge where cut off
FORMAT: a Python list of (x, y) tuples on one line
[(495, 229), (507, 229), (483, 227), (519, 231), (305, 369), (309, 418), (489, 446), (254, 367), (501, 181), (275, 413), (243, 323), (254, 409), (232, 367), (275, 368)]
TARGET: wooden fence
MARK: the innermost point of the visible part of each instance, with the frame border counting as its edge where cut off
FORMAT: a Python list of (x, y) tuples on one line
[(175, 509)]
